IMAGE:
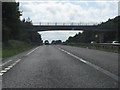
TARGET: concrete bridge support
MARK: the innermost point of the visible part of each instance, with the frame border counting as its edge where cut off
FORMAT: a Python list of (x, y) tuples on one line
[(101, 37)]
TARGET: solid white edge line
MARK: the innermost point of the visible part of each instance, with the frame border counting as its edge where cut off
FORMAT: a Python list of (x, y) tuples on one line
[(14, 64), (115, 77), (6, 63), (32, 51), (18, 60)]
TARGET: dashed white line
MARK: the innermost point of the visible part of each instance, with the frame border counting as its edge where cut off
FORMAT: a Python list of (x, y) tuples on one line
[(1, 74), (32, 51), (3, 71), (115, 77), (9, 67)]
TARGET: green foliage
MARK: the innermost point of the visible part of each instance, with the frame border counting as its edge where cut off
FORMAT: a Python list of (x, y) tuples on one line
[(15, 37), (85, 37), (111, 23), (15, 29), (11, 19), (0, 52), (102, 47), (88, 36), (56, 42), (28, 36), (15, 47)]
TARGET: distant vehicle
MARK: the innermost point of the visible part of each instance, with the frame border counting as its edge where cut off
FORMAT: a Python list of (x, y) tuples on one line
[(46, 42), (92, 42), (115, 42)]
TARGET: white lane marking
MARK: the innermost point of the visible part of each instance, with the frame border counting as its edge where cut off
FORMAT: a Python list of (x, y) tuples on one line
[(10, 66), (14, 64), (6, 63), (18, 60), (83, 60), (3, 71), (7, 68), (32, 51), (115, 77), (1, 74)]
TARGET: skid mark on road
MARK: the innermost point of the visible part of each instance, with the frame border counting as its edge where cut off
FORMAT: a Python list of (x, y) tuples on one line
[(115, 77), (9, 67)]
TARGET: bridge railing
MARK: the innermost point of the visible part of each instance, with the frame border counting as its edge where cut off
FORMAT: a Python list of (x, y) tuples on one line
[(65, 23)]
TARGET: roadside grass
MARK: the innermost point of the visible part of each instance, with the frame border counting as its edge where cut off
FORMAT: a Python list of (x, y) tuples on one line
[(0, 49), (108, 48), (14, 48), (0, 52)]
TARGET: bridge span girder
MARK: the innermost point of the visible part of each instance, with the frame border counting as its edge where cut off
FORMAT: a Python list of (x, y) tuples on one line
[(67, 27)]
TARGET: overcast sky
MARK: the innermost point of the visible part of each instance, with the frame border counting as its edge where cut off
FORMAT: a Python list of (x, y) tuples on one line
[(79, 11)]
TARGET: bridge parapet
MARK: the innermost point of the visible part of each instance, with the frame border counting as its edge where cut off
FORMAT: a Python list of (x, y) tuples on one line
[(48, 26), (66, 23)]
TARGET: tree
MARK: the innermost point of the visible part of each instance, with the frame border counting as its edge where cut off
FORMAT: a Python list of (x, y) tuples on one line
[(10, 20), (29, 36), (88, 36), (14, 28), (56, 42), (85, 37)]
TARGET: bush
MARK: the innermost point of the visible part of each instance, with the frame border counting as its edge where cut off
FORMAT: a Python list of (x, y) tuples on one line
[(14, 48)]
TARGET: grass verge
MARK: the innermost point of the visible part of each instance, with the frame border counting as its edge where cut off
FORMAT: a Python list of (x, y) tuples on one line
[(14, 48), (0, 52), (102, 47)]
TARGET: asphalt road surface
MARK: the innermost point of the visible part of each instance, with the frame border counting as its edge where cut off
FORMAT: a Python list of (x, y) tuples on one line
[(59, 66)]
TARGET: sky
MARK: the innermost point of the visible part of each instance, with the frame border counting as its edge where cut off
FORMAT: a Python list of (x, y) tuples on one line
[(67, 11)]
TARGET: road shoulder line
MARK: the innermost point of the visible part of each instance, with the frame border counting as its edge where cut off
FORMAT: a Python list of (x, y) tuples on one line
[(6, 63), (113, 76), (32, 51)]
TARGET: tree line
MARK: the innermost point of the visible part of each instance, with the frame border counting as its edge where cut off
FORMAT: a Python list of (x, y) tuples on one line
[(88, 36), (15, 29)]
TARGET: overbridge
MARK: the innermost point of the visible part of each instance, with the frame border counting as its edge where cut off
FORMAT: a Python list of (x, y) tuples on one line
[(72, 26), (67, 26)]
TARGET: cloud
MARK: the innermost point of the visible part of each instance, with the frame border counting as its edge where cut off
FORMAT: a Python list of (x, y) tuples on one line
[(95, 11), (119, 8), (68, 11), (57, 35)]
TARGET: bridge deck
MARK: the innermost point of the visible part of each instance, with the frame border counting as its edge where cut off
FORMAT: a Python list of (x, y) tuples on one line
[(67, 27)]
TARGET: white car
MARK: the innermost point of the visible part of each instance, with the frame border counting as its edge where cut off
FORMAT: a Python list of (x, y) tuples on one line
[(93, 42), (116, 42)]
